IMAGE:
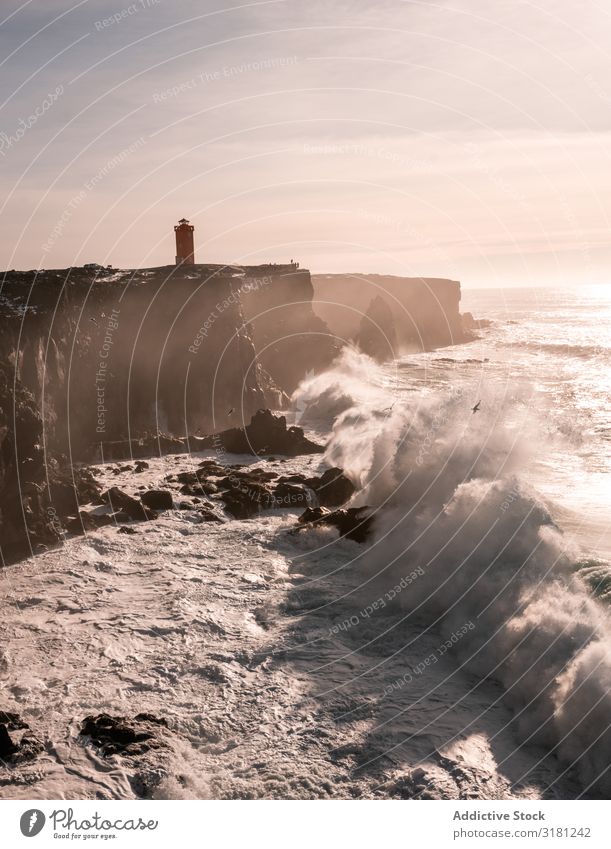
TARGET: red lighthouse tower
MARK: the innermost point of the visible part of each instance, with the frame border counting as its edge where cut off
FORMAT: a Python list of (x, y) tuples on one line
[(184, 242)]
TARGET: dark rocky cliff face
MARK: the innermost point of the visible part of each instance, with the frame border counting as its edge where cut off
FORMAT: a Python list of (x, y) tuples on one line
[(425, 310), (25, 514), (290, 338), (97, 364), (112, 357)]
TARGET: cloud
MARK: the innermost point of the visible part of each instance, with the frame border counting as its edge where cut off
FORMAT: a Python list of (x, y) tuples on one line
[(485, 128)]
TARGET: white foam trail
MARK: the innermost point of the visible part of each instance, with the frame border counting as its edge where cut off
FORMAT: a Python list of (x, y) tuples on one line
[(454, 499)]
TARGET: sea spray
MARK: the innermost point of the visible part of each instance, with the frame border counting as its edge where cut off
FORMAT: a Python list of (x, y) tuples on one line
[(451, 497)]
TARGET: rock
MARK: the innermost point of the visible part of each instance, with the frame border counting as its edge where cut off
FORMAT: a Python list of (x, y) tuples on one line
[(245, 500), (7, 747), (377, 336), (293, 479), (205, 488), (70, 489), (118, 735), (88, 521), (195, 483), (470, 324), (133, 508), (121, 516), (157, 499), (126, 529), (333, 488), (354, 523), (27, 748), (292, 495), (266, 434), (208, 515), (211, 467), (12, 720), (147, 445), (140, 466)]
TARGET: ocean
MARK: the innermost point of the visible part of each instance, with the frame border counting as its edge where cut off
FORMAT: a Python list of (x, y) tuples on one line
[(558, 344), (464, 652)]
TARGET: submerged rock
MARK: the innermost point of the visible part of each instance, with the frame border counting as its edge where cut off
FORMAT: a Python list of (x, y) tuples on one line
[(266, 434), (120, 500)]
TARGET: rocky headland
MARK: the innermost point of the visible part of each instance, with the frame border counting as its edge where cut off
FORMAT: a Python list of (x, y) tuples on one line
[(101, 364)]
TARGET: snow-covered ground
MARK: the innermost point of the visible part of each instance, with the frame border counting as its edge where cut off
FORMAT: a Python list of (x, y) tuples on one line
[(250, 641)]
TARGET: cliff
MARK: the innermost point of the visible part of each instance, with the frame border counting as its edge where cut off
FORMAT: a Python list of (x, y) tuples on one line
[(377, 334), (289, 337), (112, 355), (425, 310)]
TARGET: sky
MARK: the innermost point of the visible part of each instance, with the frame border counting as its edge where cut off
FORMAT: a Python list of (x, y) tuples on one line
[(463, 139)]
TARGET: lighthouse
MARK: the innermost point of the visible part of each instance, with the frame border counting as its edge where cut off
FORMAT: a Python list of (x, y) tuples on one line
[(184, 242)]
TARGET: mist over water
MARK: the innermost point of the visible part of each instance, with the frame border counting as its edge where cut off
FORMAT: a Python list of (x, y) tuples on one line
[(476, 502)]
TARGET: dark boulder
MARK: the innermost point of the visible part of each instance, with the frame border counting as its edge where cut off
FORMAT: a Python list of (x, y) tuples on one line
[(292, 495), (12, 720), (211, 467), (355, 523), (13, 750), (470, 324), (266, 434), (120, 500), (118, 735), (147, 445), (140, 466), (126, 529), (157, 499), (88, 521)]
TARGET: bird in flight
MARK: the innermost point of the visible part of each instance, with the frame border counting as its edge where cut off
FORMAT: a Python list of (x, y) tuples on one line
[(230, 411), (476, 408)]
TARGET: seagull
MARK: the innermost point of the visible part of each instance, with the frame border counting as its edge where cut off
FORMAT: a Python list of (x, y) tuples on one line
[(230, 411), (94, 321), (476, 408)]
